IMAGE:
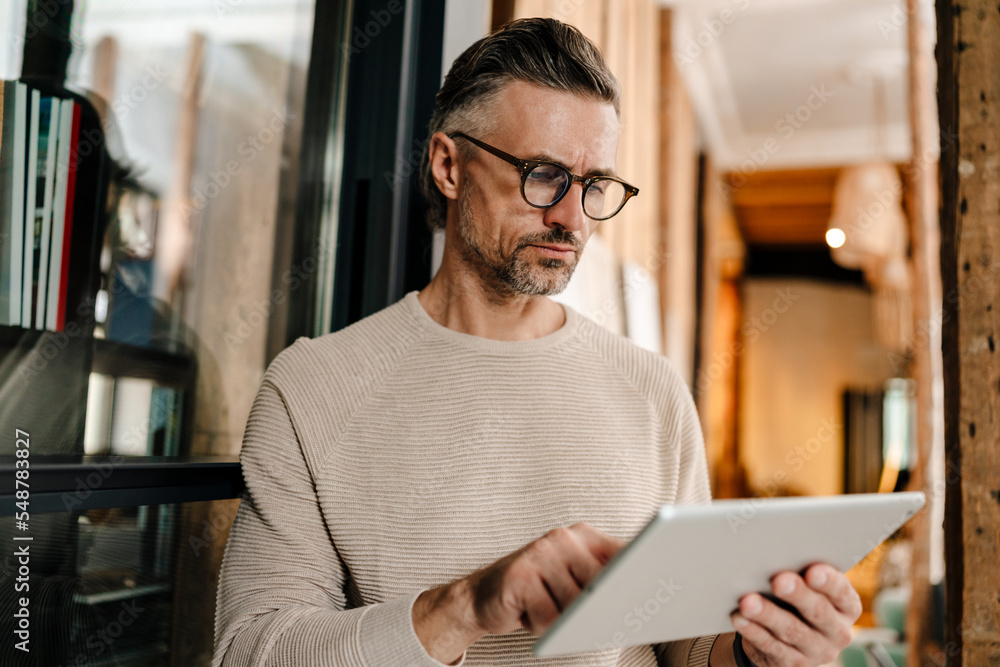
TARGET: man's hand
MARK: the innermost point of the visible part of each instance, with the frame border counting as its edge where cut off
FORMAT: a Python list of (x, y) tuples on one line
[(773, 636), (526, 589)]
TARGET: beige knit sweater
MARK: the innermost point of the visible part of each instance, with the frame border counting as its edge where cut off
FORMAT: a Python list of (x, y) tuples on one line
[(398, 455)]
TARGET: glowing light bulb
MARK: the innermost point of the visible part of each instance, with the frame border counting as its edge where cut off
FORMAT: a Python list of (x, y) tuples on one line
[(835, 237)]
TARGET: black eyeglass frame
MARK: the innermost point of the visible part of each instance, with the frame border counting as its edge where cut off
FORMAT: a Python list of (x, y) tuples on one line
[(526, 166)]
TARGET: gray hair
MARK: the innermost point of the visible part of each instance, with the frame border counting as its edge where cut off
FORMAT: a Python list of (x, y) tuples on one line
[(543, 52)]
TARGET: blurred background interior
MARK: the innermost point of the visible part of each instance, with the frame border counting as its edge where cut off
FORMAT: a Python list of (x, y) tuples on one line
[(259, 161)]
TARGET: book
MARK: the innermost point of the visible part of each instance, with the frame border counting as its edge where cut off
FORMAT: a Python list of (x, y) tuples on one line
[(59, 212), (6, 157), (47, 139), (131, 315), (12, 167), (30, 200), (74, 165)]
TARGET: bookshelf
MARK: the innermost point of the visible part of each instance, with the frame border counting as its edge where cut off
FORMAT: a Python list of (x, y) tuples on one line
[(62, 348), (58, 342)]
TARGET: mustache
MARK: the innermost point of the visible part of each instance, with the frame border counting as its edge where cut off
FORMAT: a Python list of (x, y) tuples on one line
[(554, 237)]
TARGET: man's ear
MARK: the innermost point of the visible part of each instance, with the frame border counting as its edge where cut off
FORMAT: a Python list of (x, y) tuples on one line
[(443, 158)]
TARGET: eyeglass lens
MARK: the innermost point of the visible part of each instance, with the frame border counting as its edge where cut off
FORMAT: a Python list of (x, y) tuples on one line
[(546, 183)]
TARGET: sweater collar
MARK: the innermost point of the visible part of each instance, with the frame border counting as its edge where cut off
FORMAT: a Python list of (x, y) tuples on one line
[(506, 347)]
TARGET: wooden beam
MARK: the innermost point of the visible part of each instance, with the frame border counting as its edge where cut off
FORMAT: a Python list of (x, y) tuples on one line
[(815, 175), (712, 210), (503, 11), (720, 342), (678, 179), (969, 107), (105, 68), (789, 193), (921, 176), (667, 78), (780, 225), (174, 233), (786, 207)]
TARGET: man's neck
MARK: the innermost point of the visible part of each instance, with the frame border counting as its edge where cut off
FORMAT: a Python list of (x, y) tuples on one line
[(467, 307)]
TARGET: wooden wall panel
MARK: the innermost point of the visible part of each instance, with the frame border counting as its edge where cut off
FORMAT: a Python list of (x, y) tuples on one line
[(527, 8), (631, 38), (719, 339), (969, 106), (678, 208)]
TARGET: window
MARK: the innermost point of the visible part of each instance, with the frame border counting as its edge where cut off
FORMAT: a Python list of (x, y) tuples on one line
[(185, 279)]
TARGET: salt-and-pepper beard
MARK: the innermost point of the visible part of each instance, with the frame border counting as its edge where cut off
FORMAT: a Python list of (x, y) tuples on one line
[(513, 275)]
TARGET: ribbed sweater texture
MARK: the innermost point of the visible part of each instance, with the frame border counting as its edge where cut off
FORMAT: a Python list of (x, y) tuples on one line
[(398, 455)]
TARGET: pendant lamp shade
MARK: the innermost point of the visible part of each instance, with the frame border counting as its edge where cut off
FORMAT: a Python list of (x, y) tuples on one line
[(866, 208), (868, 212)]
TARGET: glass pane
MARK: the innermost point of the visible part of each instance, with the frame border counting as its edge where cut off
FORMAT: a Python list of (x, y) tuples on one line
[(200, 105), (104, 587)]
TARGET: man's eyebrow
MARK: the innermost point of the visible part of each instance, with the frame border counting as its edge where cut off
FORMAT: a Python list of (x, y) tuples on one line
[(544, 157)]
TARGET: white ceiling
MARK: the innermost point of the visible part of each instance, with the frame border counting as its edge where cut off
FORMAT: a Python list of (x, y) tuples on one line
[(752, 65)]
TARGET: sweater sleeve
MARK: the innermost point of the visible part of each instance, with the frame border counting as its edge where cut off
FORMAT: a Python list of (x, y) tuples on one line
[(281, 598), (685, 652)]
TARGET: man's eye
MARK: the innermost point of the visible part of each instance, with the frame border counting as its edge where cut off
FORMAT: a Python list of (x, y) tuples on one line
[(545, 175)]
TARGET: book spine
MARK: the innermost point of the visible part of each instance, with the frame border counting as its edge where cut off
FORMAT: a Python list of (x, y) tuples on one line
[(47, 207), (30, 199), (7, 97), (17, 201), (59, 210), (68, 231)]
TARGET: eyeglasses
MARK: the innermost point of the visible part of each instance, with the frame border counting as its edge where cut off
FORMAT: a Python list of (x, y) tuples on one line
[(544, 184)]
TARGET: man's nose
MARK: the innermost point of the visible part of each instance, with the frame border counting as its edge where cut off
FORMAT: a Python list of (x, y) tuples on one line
[(568, 213)]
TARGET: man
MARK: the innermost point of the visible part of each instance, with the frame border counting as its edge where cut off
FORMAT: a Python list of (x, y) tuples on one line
[(411, 478)]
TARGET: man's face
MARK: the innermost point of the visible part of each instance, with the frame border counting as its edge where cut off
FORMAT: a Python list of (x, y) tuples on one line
[(514, 247)]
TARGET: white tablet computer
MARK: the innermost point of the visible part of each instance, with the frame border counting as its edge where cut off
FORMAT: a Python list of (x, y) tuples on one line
[(684, 573)]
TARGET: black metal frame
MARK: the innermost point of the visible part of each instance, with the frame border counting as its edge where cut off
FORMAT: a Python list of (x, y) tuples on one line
[(313, 196), (80, 483), (384, 244)]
